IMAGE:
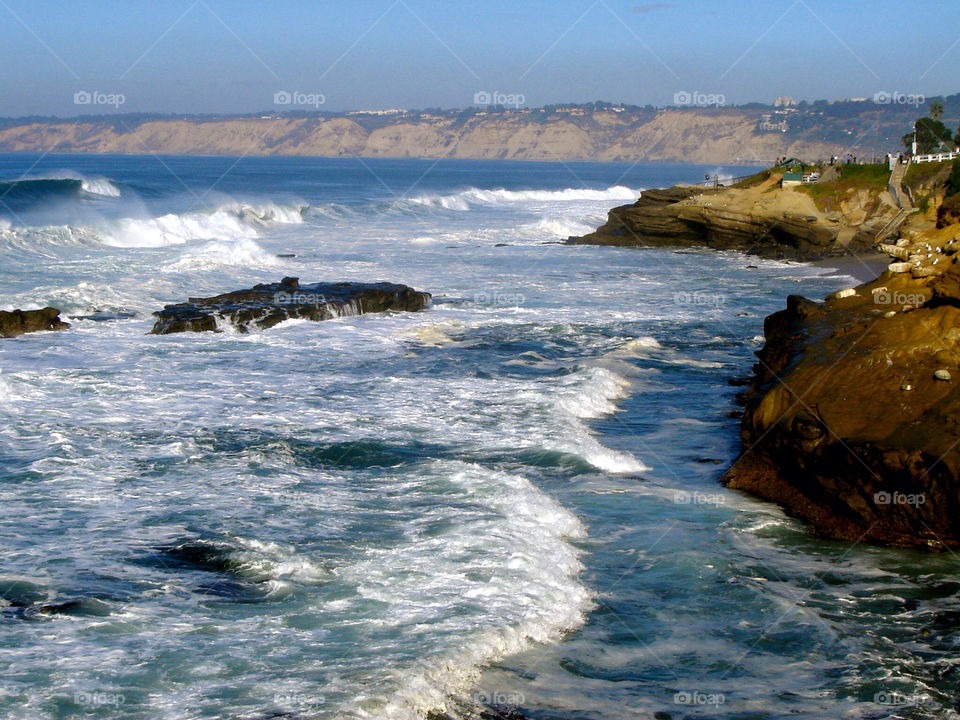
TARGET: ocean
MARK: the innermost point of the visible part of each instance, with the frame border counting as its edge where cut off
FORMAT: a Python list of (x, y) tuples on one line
[(509, 502)]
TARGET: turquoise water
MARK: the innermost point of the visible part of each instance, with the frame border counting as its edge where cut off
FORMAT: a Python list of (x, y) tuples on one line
[(509, 500)]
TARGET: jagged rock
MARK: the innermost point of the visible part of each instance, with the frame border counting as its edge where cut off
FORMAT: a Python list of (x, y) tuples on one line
[(846, 427), (18, 322), (264, 306)]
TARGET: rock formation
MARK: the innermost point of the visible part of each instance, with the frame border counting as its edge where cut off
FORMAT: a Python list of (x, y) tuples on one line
[(18, 322), (853, 420), (762, 220), (264, 306)]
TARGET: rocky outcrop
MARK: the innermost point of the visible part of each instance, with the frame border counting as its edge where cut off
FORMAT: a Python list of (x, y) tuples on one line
[(18, 322), (853, 420), (764, 221), (264, 306)]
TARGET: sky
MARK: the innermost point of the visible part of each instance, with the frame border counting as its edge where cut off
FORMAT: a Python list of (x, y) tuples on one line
[(75, 57)]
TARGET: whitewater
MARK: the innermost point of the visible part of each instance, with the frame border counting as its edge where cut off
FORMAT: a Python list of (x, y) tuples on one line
[(508, 502)]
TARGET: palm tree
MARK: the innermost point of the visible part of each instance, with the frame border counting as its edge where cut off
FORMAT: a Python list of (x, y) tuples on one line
[(936, 110)]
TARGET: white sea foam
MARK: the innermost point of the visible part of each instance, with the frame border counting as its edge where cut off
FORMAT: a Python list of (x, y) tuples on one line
[(276, 562), (591, 392), (476, 196), (100, 186), (218, 253), (562, 227), (227, 222), (524, 574)]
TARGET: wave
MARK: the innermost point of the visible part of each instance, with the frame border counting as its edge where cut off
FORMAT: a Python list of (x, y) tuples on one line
[(475, 196), (523, 578), (233, 221), (227, 222), (564, 227), (241, 251), (37, 188)]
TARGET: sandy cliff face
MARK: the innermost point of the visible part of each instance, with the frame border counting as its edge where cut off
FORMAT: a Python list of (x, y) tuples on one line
[(764, 220), (676, 135)]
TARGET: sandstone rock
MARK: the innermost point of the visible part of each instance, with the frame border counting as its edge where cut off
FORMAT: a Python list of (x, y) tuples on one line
[(840, 294), (837, 430), (900, 267), (680, 216), (894, 251), (18, 322)]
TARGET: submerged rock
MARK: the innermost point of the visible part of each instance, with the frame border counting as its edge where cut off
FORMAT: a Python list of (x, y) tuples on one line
[(18, 322), (264, 306)]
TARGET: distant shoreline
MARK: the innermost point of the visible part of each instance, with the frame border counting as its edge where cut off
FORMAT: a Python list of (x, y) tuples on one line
[(606, 134)]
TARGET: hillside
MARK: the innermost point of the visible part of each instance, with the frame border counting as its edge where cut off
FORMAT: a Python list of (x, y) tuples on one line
[(596, 132)]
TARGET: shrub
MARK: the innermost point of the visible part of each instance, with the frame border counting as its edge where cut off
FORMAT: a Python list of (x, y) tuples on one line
[(949, 211), (953, 184)]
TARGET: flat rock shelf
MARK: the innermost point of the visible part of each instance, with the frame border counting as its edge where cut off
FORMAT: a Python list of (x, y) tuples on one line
[(266, 305)]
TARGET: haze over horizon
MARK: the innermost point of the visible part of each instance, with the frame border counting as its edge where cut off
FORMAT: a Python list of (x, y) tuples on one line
[(218, 57)]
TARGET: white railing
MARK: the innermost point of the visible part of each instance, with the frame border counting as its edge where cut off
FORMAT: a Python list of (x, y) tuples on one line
[(936, 157)]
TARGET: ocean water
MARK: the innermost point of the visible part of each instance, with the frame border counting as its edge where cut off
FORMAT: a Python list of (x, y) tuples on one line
[(509, 501)]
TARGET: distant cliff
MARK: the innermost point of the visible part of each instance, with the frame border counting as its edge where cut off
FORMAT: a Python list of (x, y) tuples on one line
[(597, 133)]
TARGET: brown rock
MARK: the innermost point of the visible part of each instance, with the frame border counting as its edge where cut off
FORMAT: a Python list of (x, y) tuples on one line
[(18, 322)]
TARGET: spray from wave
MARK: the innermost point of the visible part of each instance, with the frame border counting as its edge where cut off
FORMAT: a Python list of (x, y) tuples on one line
[(475, 196)]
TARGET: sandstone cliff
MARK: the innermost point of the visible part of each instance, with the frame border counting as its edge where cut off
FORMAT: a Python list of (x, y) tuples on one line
[(764, 220), (853, 420), (691, 135)]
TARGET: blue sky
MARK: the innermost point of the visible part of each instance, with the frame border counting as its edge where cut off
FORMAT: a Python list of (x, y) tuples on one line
[(220, 56)]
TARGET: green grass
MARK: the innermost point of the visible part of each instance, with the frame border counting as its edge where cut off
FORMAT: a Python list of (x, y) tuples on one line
[(921, 173), (829, 195), (873, 174), (753, 180)]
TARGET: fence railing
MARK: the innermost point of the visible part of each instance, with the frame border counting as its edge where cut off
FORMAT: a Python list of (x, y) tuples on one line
[(935, 157)]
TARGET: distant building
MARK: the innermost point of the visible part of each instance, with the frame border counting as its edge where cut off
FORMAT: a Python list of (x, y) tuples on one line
[(784, 101), (791, 178), (770, 124), (392, 111)]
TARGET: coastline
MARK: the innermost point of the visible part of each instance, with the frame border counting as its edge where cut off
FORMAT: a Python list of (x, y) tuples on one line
[(863, 267), (851, 406)]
